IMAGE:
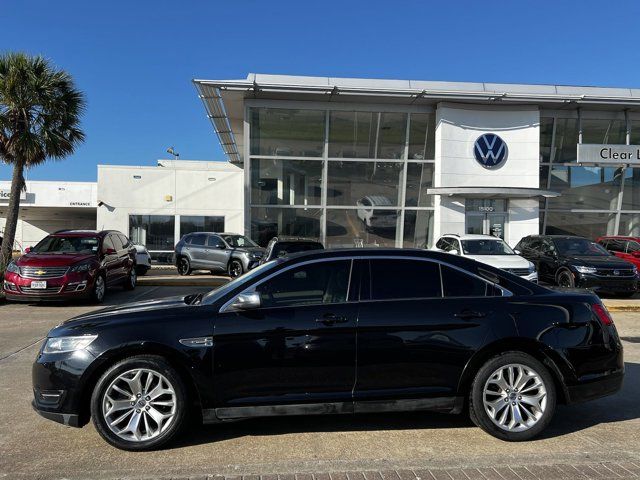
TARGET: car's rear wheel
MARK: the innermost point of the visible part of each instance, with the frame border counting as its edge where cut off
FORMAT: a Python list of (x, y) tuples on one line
[(132, 279), (235, 268), (139, 403), (513, 397), (565, 279), (99, 289), (184, 266)]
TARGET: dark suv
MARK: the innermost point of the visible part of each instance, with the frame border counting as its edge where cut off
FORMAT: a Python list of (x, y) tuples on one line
[(570, 261), (281, 246), (72, 264), (217, 252)]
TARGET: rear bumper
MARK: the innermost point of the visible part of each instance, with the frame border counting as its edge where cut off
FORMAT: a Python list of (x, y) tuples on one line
[(601, 386)]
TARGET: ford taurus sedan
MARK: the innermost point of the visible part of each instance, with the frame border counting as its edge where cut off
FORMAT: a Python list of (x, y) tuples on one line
[(341, 332)]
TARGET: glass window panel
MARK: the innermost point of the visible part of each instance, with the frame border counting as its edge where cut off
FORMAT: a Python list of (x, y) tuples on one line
[(460, 284), (585, 187), (418, 228), (351, 182), (285, 132), (544, 176), (361, 228), (392, 135), (566, 140), (604, 131), (631, 191), (267, 223), (286, 182), (635, 132), (419, 178), (352, 134), (583, 224), (546, 134), (422, 133), (193, 223), (394, 279), (156, 232), (629, 224)]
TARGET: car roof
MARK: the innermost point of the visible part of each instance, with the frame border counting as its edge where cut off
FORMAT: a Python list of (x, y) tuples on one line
[(294, 239), (84, 233), (472, 236)]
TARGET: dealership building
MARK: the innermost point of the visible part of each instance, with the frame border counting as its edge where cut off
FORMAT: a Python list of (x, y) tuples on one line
[(360, 162)]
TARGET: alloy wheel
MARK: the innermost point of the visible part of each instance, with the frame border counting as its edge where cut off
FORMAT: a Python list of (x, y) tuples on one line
[(133, 278), (183, 266), (99, 288), (515, 397), (139, 405), (235, 269)]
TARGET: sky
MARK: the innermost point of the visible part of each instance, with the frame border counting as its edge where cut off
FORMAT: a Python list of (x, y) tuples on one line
[(135, 60)]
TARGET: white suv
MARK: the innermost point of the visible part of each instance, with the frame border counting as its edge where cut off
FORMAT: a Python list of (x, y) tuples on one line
[(490, 250)]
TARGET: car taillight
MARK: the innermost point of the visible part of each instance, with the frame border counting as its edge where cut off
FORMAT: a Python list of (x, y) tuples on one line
[(602, 313)]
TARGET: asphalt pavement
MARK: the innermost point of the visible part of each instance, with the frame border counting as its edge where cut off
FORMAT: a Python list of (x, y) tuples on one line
[(600, 439)]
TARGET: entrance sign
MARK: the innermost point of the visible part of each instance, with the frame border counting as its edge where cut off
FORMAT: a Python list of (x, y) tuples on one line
[(593, 153)]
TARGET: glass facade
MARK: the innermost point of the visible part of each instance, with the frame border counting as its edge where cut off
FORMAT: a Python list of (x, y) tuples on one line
[(192, 223), (594, 200), (367, 185)]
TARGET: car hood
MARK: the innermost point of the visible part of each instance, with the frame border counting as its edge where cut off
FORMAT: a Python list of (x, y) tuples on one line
[(599, 261), (52, 259), (249, 249), (502, 261)]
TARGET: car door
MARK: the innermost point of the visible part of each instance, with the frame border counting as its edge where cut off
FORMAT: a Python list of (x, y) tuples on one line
[(548, 260), (413, 342), (110, 261), (298, 347), (218, 252), (123, 255), (197, 250)]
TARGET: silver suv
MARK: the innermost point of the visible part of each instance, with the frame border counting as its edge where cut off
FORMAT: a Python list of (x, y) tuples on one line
[(218, 252)]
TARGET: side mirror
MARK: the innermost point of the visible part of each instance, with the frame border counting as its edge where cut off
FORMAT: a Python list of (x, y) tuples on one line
[(27, 250), (246, 301), (221, 246), (517, 252), (454, 252)]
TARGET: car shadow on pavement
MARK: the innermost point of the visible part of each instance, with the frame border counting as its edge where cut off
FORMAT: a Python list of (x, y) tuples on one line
[(568, 419)]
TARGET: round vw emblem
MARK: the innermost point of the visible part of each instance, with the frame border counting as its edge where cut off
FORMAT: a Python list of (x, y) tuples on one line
[(490, 150)]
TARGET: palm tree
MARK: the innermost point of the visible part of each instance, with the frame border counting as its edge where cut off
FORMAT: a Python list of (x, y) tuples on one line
[(40, 111)]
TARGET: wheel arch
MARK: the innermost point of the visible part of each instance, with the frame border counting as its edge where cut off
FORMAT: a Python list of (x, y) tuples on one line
[(562, 269), (120, 353), (550, 359)]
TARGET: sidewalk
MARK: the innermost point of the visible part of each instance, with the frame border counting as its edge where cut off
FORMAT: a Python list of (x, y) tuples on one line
[(168, 277)]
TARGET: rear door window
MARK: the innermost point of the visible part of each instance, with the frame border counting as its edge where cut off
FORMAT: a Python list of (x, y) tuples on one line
[(198, 240), (403, 278), (107, 243), (460, 284), (117, 243)]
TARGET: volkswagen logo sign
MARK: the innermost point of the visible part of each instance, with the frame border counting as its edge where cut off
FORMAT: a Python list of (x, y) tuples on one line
[(490, 150)]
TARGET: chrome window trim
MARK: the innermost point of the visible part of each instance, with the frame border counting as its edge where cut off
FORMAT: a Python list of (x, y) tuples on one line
[(505, 292)]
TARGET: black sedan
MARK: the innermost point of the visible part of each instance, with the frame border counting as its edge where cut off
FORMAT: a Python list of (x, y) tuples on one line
[(343, 331)]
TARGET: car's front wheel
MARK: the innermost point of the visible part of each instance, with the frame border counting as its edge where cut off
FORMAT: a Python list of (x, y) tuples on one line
[(184, 266), (513, 397), (99, 289), (139, 403), (235, 268), (565, 279)]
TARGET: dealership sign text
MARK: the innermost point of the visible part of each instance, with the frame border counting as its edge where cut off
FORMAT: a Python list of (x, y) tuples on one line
[(608, 153)]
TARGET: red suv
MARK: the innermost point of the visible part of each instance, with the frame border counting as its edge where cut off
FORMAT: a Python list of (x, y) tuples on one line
[(627, 248), (72, 264)]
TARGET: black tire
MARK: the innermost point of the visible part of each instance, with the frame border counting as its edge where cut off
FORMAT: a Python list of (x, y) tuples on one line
[(184, 266), (157, 365), (235, 268), (481, 418), (565, 279), (131, 279), (99, 289)]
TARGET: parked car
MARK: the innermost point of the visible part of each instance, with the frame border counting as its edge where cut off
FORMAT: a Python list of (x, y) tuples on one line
[(373, 218), (434, 332), (72, 264), (490, 250), (570, 261), (232, 253), (281, 246), (143, 260), (626, 248)]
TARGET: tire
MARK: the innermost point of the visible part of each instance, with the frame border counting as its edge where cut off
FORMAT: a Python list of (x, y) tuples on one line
[(535, 420), (235, 268), (565, 279), (184, 266), (148, 433), (131, 280), (99, 289)]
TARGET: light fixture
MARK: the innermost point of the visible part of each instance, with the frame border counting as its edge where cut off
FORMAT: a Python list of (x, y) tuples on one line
[(172, 151)]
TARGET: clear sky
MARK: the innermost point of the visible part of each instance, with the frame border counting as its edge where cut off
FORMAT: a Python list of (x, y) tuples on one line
[(135, 59)]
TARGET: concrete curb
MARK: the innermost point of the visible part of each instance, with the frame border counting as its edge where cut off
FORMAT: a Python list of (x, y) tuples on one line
[(181, 282)]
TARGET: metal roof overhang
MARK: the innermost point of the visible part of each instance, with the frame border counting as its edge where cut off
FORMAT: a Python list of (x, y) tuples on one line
[(224, 99), (492, 192)]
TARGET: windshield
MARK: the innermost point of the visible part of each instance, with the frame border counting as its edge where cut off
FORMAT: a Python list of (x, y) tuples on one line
[(486, 247), (239, 241), (576, 247), (219, 292), (70, 244)]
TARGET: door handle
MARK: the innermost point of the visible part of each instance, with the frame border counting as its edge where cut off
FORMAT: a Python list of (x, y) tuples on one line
[(469, 314), (331, 319)]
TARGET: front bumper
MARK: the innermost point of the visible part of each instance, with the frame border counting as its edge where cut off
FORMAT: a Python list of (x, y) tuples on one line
[(73, 285), (606, 284), (68, 419), (532, 277)]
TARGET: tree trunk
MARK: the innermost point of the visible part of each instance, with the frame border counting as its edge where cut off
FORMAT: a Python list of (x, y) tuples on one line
[(17, 184)]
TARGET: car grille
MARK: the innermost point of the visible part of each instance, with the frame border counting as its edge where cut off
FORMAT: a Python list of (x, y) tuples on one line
[(521, 272), (609, 272), (43, 272), (48, 290)]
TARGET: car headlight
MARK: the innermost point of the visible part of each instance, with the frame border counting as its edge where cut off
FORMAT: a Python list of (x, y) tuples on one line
[(255, 255), (532, 267), (13, 268), (68, 344), (582, 269), (81, 267)]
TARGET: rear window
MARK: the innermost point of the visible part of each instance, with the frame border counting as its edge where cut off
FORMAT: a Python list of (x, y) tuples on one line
[(395, 279)]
